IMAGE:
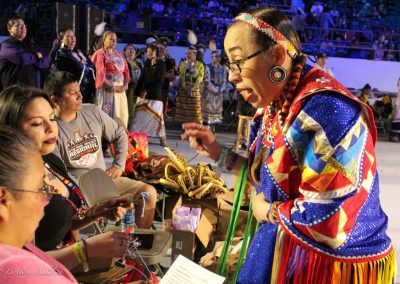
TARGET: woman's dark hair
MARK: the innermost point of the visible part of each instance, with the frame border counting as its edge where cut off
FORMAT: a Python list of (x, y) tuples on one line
[(14, 101), (96, 44), (55, 82), (11, 22), (129, 45), (153, 46), (14, 150), (279, 21)]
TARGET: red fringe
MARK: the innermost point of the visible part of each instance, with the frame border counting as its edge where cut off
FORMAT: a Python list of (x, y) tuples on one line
[(313, 267)]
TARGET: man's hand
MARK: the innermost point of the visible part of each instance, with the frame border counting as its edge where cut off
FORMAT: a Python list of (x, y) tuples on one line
[(112, 209), (114, 172)]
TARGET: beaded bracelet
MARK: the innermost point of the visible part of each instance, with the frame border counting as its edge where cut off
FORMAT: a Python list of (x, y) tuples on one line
[(222, 157), (268, 215), (274, 207)]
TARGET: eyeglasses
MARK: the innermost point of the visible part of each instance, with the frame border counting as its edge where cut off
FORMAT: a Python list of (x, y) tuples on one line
[(47, 190), (19, 26), (234, 66)]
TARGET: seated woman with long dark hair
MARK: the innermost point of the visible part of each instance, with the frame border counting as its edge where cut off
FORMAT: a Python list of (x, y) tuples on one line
[(30, 111)]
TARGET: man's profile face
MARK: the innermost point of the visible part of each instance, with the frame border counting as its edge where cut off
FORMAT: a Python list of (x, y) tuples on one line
[(71, 99)]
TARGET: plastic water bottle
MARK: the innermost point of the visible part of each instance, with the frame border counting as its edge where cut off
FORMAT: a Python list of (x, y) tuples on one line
[(129, 219)]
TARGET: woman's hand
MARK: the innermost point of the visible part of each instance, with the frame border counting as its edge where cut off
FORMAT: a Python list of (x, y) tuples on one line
[(112, 209), (202, 140), (107, 245), (143, 94), (260, 208), (108, 84), (119, 89)]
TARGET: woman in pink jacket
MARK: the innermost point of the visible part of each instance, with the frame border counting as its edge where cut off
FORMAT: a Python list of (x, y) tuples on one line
[(22, 202), (112, 78)]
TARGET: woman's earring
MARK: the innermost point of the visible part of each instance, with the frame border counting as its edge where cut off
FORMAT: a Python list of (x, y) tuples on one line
[(277, 74)]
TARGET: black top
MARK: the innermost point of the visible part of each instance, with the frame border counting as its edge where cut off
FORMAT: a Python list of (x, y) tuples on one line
[(151, 80), (55, 227), (170, 65)]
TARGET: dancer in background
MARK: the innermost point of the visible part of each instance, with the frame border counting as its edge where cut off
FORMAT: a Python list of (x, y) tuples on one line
[(212, 101), (135, 70), (112, 79), (188, 101), (149, 110), (395, 129)]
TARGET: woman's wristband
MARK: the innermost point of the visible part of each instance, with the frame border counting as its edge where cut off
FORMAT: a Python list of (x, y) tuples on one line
[(274, 208), (222, 157), (85, 246), (80, 255), (86, 260), (271, 214)]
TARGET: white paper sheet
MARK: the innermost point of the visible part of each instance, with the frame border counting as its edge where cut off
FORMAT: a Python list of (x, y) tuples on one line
[(185, 271)]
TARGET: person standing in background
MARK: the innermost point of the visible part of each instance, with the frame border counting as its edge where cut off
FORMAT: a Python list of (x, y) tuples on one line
[(188, 101), (212, 100), (112, 78), (135, 70), (22, 63), (395, 129), (148, 115), (71, 59), (170, 66), (321, 63)]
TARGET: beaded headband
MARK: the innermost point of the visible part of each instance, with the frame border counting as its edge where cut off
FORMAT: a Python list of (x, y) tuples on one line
[(270, 31)]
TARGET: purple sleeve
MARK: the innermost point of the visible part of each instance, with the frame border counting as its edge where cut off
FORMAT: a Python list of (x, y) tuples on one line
[(17, 55), (10, 52), (44, 62)]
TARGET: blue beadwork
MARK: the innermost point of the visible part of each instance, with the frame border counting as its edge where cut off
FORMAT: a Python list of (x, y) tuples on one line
[(336, 115)]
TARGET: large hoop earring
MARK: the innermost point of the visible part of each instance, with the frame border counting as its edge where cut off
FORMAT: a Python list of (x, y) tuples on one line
[(277, 74)]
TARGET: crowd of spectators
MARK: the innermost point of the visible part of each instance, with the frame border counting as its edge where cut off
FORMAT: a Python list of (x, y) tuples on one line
[(358, 29)]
